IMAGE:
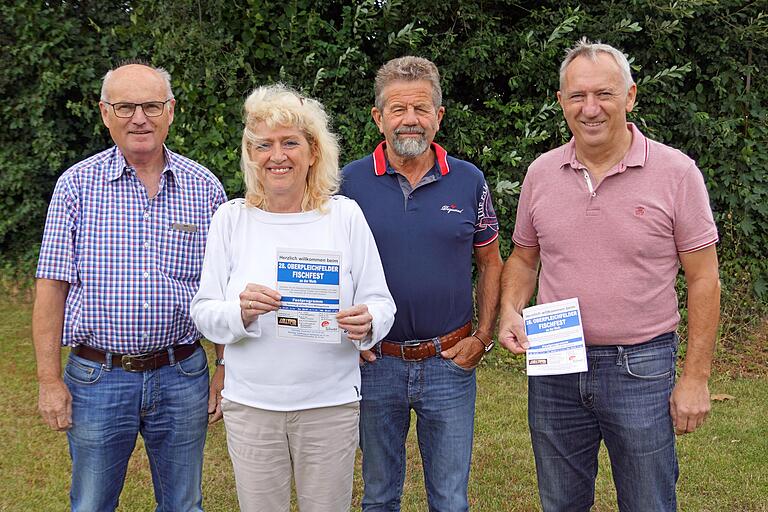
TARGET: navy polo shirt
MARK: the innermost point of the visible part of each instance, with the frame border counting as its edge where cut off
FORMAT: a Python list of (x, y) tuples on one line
[(425, 237)]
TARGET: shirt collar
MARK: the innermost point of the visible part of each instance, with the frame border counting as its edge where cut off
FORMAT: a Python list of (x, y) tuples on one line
[(380, 159), (118, 164), (636, 156)]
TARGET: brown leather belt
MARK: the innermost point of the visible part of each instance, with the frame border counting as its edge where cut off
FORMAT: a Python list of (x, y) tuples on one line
[(423, 349), (137, 362)]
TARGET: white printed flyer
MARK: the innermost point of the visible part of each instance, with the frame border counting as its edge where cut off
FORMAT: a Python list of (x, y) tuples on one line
[(556, 338), (308, 283)]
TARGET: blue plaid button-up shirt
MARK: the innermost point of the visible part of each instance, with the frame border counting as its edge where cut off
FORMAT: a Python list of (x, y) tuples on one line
[(133, 263)]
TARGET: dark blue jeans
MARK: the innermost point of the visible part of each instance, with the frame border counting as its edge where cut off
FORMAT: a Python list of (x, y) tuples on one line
[(443, 396), (110, 406), (623, 400)]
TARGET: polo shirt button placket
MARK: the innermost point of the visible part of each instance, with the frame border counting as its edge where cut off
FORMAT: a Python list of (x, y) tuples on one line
[(589, 183)]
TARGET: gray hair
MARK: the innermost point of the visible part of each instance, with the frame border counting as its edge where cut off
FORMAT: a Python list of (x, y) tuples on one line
[(585, 48), (409, 69), (140, 62)]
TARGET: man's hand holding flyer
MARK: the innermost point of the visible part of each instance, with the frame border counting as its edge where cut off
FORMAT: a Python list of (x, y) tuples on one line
[(556, 338)]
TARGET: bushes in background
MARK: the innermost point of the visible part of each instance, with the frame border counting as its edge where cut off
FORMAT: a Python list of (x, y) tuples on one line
[(699, 66)]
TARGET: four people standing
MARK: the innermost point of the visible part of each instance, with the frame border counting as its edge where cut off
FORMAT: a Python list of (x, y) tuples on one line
[(608, 217)]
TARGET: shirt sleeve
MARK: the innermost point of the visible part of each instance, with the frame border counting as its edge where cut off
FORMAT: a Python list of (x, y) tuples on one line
[(370, 286), (487, 226), (524, 233), (57, 251), (218, 196), (694, 224), (217, 318)]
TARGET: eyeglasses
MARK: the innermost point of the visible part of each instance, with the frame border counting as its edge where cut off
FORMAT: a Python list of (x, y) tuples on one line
[(150, 108)]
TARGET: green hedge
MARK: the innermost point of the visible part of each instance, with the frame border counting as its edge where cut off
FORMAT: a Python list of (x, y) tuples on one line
[(699, 65)]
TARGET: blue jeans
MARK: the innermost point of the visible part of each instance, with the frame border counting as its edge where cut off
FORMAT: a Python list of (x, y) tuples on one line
[(110, 406), (623, 399), (443, 396)]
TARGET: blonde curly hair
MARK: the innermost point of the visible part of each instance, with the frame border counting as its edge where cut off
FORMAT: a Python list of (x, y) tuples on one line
[(279, 105)]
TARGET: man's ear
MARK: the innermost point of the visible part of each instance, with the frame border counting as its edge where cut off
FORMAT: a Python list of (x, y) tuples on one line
[(440, 114), (376, 115), (171, 104), (104, 109), (631, 96)]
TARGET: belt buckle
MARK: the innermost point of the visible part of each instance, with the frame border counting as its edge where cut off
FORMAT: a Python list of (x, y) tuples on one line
[(411, 344), (135, 363)]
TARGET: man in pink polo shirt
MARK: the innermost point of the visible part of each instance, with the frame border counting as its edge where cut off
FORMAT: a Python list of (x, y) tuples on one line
[(609, 217)]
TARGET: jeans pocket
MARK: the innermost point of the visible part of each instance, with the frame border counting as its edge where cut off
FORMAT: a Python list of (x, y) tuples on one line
[(456, 368), (650, 365), (82, 371), (194, 365)]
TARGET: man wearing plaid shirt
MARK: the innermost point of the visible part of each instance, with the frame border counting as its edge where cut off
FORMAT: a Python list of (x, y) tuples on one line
[(119, 264)]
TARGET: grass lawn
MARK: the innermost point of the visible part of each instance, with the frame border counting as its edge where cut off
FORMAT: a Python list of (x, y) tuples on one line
[(724, 466)]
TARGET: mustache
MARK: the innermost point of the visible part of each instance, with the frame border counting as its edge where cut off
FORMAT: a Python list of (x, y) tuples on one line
[(409, 129)]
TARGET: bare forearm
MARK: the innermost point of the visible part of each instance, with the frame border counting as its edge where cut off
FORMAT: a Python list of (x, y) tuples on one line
[(488, 289), (703, 320), (518, 282), (47, 326)]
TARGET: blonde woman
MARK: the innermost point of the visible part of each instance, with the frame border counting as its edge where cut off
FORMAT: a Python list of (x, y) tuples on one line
[(290, 405)]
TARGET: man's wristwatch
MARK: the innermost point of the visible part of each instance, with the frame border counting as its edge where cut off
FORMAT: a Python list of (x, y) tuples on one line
[(219, 362), (487, 345)]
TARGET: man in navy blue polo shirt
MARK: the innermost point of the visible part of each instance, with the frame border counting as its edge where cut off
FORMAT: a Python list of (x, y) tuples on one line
[(430, 213)]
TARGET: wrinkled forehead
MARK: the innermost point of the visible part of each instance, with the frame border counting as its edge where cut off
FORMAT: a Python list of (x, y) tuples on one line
[(407, 92), (587, 72), (135, 84)]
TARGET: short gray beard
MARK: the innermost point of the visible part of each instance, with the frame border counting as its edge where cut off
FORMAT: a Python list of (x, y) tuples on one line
[(410, 147)]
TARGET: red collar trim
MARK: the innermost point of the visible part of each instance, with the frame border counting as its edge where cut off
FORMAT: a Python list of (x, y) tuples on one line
[(380, 159)]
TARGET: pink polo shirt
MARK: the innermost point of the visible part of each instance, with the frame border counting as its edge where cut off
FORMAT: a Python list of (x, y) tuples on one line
[(616, 249)]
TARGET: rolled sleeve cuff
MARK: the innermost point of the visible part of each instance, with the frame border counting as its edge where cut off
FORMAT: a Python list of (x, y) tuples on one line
[(235, 322)]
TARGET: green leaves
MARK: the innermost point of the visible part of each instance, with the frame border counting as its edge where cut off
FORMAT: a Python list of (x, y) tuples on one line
[(499, 61), (664, 75)]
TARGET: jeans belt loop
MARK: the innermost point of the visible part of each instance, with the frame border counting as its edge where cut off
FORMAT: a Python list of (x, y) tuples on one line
[(107, 361), (171, 356), (438, 348), (619, 355)]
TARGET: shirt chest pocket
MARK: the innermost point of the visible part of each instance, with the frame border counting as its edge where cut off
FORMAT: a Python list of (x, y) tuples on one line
[(180, 253)]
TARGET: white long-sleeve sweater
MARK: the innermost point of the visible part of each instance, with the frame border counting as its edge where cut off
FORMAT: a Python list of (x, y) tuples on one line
[(261, 370)]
